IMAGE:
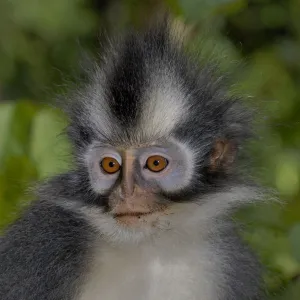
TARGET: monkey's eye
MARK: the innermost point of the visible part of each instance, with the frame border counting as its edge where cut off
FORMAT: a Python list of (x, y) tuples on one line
[(110, 165), (156, 163)]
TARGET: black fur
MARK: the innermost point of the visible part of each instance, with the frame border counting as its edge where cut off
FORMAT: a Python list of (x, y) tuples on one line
[(126, 82)]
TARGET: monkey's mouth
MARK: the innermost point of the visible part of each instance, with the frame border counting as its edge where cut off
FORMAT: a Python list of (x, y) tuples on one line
[(133, 219), (137, 218), (133, 214)]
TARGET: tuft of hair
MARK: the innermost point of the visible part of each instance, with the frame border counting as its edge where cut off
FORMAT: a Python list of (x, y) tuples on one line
[(148, 87)]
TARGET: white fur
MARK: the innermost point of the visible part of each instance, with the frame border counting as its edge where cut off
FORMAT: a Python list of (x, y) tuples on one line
[(164, 105), (172, 261), (100, 181), (189, 163), (185, 219), (98, 110), (160, 270)]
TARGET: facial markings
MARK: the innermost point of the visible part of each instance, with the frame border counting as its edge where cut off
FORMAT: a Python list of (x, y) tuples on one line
[(164, 166), (104, 164), (164, 104)]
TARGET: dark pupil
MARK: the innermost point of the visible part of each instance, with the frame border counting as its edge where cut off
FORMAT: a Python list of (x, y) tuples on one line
[(156, 163), (111, 164)]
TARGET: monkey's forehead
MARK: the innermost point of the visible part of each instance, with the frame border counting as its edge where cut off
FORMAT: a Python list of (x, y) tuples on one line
[(148, 88), (142, 88)]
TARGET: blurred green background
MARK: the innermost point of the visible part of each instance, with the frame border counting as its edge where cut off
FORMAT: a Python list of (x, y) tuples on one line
[(41, 43)]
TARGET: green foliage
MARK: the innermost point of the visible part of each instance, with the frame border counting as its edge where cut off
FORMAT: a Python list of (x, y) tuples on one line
[(30, 150), (45, 152), (38, 47)]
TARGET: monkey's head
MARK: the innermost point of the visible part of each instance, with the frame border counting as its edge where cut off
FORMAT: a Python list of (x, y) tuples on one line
[(156, 138)]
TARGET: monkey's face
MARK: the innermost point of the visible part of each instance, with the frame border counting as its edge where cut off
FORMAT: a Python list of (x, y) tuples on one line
[(157, 135), (140, 181), (150, 187)]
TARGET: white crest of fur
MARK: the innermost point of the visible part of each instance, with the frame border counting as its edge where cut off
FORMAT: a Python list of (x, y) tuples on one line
[(164, 104)]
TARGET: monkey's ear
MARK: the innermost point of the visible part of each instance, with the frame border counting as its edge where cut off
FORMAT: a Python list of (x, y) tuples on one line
[(222, 155)]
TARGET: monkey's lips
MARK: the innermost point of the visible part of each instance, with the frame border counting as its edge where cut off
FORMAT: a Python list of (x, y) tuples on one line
[(133, 214), (139, 209), (132, 218)]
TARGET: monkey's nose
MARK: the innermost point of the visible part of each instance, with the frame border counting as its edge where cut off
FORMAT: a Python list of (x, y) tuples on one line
[(128, 178), (127, 188)]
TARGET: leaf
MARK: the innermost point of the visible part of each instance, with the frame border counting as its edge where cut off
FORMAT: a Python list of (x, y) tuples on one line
[(18, 128), (294, 238), (17, 170), (199, 9), (19, 173), (287, 177), (49, 149), (291, 292), (6, 114)]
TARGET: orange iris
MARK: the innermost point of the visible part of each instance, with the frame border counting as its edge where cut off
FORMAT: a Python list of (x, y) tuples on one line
[(110, 165), (156, 163)]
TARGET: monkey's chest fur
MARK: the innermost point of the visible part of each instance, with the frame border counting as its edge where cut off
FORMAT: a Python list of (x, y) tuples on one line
[(152, 272)]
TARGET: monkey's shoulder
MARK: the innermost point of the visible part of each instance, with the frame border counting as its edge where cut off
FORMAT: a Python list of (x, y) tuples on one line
[(240, 266), (42, 254)]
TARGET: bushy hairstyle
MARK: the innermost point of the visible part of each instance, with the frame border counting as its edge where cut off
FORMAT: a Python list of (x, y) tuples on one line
[(148, 87)]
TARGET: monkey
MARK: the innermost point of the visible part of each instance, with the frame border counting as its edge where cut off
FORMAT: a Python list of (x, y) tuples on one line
[(146, 211)]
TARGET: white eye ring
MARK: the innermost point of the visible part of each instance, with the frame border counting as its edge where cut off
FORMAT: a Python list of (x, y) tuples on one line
[(101, 181)]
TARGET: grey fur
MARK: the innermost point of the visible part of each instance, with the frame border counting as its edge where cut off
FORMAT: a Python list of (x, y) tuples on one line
[(41, 255)]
